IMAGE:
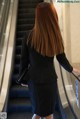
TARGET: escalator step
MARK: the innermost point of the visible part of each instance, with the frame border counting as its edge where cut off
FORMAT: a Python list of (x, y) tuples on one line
[(25, 27), (19, 42), (28, 5), (17, 67), (21, 115), (19, 105), (18, 50), (26, 10), (30, 1), (16, 71), (17, 59), (19, 91), (18, 56), (26, 15), (24, 21), (18, 39), (20, 34)]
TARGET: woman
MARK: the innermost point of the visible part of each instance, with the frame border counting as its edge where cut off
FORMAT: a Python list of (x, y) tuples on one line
[(44, 42)]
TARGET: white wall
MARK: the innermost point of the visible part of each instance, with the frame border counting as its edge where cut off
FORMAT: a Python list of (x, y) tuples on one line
[(71, 31), (75, 32)]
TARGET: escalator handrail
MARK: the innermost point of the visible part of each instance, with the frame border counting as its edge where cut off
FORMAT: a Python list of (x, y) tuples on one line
[(76, 77)]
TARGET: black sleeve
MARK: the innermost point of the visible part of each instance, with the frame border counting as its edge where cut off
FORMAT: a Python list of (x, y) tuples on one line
[(64, 62), (24, 60)]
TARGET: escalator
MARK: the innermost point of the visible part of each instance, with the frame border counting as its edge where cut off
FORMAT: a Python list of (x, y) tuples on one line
[(15, 99), (19, 104)]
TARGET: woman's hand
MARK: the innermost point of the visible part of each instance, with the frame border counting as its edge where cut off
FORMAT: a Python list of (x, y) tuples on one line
[(76, 71)]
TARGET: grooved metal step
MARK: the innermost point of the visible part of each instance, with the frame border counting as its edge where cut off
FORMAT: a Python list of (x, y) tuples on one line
[(18, 50), (26, 10), (30, 1), (19, 91), (20, 115), (20, 105), (26, 15), (19, 42), (28, 4), (20, 34), (17, 59), (26, 21), (25, 27)]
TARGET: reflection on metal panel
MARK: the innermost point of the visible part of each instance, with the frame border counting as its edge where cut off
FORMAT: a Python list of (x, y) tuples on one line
[(62, 94)]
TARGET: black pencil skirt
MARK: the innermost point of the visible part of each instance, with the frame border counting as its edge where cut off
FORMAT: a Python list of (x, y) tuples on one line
[(43, 96)]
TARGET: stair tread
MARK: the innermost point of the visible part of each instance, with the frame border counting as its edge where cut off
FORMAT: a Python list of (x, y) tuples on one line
[(27, 5), (24, 25), (26, 15), (19, 87), (20, 101), (20, 115), (31, 19), (26, 10), (19, 38), (17, 65), (26, 21), (18, 58), (31, 1)]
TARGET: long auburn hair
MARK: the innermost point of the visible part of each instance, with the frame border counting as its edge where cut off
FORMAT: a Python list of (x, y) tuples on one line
[(46, 36)]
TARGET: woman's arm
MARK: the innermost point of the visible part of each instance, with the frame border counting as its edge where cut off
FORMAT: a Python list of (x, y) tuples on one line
[(62, 59), (64, 62)]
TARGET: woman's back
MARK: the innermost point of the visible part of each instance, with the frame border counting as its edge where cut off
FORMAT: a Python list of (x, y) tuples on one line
[(42, 67)]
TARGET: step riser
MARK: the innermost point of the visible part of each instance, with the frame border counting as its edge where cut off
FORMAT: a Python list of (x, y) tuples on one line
[(27, 10), (25, 21), (24, 27), (19, 94), (17, 61), (20, 34), (26, 16), (27, 6), (19, 42), (30, 1), (20, 109)]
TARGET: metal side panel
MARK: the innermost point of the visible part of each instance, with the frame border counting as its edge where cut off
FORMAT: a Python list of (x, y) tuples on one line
[(65, 105), (71, 97), (9, 56)]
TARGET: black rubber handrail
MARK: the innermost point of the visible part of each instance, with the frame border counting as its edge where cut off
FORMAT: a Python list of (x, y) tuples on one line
[(77, 77)]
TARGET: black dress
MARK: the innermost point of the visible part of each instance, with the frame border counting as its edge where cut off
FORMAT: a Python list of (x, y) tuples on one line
[(42, 79)]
